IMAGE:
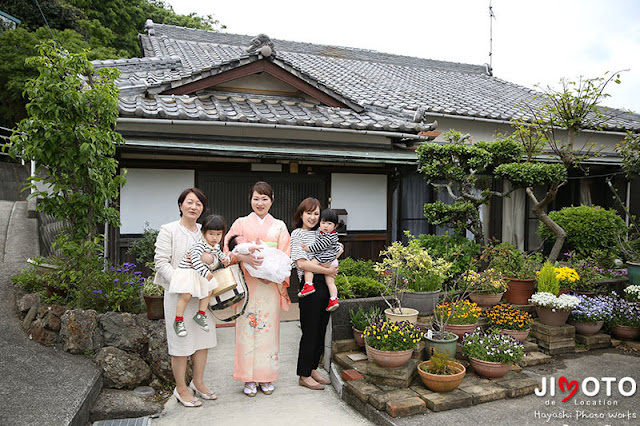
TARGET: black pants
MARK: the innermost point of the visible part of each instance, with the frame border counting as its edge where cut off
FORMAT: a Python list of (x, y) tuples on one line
[(313, 321)]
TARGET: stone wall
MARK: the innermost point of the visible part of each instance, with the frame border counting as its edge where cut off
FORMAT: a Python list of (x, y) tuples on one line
[(130, 348)]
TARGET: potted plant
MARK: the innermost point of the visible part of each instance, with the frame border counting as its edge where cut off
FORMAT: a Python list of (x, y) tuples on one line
[(153, 295), (590, 314), (491, 355), (360, 319), (485, 288), (440, 373), (462, 316), (632, 293), (567, 277), (423, 276), (391, 344), (516, 267), (554, 310), (625, 319), (509, 320), (402, 264)]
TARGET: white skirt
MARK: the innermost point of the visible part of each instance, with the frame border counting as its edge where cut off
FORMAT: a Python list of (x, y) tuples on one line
[(190, 281)]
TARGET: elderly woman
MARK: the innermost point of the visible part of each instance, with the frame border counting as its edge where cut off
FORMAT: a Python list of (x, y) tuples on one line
[(258, 330), (313, 313), (173, 242)]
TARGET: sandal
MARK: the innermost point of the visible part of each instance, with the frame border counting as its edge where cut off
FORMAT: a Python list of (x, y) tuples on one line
[(267, 388), (250, 389)]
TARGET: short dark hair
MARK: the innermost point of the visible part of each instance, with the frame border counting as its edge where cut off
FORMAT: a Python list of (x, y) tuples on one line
[(262, 188), (329, 215), (197, 192), (307, 205), (232, 243), (214, 222)]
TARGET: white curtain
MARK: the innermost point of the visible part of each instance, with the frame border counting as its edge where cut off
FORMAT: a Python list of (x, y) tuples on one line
[(585, 192), (514, 215)]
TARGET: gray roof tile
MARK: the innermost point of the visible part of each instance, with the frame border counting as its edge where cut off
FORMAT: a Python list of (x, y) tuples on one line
[(391, 88)]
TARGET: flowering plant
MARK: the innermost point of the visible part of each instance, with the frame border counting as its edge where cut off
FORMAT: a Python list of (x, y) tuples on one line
[(566, 275), (389, 336), (489, 281), (564, 302), (632, 293), (624, 313), (592, 309), (410, 268), (458, 312), (505, 316), (118, 289), (492, 347)]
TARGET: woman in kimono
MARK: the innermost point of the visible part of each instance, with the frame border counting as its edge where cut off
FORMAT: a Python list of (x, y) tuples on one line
[(258, 329)]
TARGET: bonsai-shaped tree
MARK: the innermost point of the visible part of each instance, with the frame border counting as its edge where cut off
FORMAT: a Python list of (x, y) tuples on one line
[(558, 117), (464, 170), (70, 135)]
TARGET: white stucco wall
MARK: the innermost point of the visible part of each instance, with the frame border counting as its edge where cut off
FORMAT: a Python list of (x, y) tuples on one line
[(151, 195), (364, 197)]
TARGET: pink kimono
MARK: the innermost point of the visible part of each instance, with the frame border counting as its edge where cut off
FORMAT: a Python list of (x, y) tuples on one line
[(258, 330)]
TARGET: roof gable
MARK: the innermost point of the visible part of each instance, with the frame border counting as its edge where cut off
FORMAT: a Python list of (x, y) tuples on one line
[(251, 65)]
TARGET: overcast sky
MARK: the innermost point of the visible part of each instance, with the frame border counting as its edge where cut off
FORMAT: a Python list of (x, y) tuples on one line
[(533, 42)]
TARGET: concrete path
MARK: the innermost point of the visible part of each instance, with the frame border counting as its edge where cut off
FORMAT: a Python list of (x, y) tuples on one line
[(40, 385), (290, 404)]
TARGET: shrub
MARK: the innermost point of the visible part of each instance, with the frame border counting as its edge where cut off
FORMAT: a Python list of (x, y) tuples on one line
[(352, 287), (360, 318), (144, 248), (547, 280), (456, 249), (510, 261), (358, 268), (588, 228)]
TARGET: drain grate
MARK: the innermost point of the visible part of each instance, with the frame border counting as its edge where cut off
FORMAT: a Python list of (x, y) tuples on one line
[(140, 421)]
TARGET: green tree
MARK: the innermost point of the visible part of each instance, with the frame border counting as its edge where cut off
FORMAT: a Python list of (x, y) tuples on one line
[(109, 28), (558, 117), (69, 133), (464, 170)]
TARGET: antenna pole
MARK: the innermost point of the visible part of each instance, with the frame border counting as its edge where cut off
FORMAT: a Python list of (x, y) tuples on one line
[(491, 18)]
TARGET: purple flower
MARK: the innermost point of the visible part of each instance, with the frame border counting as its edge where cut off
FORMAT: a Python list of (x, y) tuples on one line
[(116, 281)]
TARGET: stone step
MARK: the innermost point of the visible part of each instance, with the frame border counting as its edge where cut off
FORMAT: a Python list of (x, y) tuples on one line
[(535, 358)]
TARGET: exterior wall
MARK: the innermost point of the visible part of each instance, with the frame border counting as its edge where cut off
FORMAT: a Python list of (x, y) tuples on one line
[(150, 196)]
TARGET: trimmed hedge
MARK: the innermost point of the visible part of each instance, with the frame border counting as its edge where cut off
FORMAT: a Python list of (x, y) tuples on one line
[(589, 228)]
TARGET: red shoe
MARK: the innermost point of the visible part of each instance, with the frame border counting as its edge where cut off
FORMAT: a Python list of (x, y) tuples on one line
[(333, 305), (307, 289)]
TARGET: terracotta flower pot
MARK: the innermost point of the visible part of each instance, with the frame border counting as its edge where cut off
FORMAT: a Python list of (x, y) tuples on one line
[(485, 300), (587, 328), (624, 332), (519, 291), (357, 336), (389, 359), (408, 314), (442, 382), (490, 370), (552, 317), (155, 307), (460, 329), (521, 335)]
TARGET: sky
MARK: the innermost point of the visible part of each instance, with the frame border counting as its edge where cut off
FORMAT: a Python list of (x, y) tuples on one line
[(534, 43)]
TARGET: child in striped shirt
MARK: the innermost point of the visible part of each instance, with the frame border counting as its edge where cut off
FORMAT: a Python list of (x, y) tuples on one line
[(324, 250), (193, 278)]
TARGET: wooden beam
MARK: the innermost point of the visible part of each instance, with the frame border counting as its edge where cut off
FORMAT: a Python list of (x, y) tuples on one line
[(255, 68)]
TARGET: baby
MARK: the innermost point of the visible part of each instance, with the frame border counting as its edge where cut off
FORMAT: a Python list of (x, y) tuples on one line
[(276, 265)]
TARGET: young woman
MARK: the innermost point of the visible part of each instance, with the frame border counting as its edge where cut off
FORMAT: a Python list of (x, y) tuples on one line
[(313, 308), (172, 244), (258, 330)]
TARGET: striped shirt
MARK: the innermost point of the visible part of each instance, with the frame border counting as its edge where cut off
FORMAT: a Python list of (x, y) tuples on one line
[(196, 251), (301, 236), (326, 247)]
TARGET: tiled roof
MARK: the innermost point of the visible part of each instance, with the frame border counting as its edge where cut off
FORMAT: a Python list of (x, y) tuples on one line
[(394, 90)]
